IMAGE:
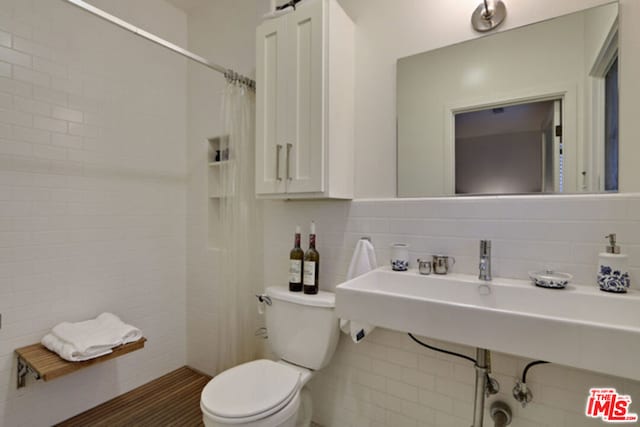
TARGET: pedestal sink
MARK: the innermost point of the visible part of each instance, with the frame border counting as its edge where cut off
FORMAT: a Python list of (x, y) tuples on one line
[(579, 326)]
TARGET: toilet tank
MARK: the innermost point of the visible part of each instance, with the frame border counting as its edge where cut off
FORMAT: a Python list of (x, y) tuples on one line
[(303, 329)]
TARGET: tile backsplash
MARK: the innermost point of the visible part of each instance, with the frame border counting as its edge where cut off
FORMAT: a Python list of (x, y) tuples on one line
[(389, 381)]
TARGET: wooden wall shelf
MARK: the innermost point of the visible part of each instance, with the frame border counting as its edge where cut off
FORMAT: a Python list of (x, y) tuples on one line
[(47, 365)]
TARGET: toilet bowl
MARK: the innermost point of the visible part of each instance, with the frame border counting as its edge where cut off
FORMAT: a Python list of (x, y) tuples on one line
[(303, 331), (261, 393)]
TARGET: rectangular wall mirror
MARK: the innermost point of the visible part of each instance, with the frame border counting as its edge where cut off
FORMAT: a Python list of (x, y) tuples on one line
[(533, 110)]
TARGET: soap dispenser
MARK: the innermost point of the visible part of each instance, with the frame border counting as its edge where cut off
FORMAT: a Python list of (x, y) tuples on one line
[(613, 271)]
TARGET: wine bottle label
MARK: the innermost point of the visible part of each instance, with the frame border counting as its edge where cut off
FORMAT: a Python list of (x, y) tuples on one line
[(309, 273), (295, 271)]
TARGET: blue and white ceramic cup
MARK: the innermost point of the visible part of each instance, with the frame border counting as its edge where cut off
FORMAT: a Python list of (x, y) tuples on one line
[(614, 280), (400, 257)]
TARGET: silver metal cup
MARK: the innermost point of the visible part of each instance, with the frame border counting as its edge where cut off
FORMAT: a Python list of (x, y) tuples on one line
[(424, 266), (442, 263)]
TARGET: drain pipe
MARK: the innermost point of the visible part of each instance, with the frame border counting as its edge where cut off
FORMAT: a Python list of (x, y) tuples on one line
[(501, 414), (482, 369), (485, 385)]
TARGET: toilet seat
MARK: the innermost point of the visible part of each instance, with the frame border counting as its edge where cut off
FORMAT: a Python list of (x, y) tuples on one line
[(250, 392)]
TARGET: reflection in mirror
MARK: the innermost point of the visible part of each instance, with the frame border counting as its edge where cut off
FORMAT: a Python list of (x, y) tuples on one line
[(509, 149), (530, 110), (611, 128)]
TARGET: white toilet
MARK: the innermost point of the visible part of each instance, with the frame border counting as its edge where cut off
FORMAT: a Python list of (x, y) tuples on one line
[(303, 332)]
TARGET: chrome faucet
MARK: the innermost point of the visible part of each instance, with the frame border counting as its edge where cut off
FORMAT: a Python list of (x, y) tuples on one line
[(485, 260)]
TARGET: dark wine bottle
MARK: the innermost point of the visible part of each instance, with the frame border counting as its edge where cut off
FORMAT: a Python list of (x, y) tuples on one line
[(295, 264), (311, 265)]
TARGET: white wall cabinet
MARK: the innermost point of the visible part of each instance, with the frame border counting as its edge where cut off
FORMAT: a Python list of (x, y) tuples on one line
[(304, 103)]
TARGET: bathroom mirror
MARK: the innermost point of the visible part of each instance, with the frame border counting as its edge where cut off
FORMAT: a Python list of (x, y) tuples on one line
[(529, 110)]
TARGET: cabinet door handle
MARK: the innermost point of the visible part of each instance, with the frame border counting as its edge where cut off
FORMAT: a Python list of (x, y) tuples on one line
[(289, 146), (278, 149)]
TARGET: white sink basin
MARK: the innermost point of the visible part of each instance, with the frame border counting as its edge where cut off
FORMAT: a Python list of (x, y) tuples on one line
[(579, 326)]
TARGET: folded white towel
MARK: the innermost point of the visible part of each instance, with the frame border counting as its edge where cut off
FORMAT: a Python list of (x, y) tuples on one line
[(362, 261), (68, 351), (95, 336)]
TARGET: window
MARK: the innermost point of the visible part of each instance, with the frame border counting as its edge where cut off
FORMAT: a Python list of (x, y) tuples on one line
[(611, 128)]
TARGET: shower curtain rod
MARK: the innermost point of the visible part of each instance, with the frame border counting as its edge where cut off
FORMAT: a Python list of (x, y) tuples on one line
[(228, 73)]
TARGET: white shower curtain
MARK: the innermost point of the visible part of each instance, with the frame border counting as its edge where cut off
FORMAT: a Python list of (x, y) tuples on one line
[(240, 268)]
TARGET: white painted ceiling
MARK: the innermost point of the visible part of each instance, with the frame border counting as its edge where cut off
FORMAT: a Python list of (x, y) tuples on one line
[(187, 5)]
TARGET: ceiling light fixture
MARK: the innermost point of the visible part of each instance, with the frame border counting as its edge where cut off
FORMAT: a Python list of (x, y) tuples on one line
[(488, 15)]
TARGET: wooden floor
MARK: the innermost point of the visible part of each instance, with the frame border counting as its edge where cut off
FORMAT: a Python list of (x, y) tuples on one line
[(171, 400)]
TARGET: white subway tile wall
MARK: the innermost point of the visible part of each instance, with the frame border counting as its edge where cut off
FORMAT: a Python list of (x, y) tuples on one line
[(387, 380), (92, 195)]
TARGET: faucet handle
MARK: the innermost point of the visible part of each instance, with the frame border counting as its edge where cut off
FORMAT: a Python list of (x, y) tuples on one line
[(485, 247)]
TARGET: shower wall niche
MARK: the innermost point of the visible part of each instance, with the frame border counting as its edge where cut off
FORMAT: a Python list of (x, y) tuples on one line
[(217, 160)]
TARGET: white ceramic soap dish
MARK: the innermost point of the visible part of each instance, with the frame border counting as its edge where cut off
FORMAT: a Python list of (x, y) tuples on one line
[(550, 279)]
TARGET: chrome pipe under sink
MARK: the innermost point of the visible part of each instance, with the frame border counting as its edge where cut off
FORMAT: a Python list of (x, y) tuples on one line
[(485, 385)]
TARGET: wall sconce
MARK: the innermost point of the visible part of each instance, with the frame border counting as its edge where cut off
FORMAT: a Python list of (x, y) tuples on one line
[(488, 15)]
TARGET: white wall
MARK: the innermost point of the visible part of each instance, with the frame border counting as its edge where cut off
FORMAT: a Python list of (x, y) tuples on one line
[(223, 31), (387, 31), (598, 23), (92, 194), (389, 381)]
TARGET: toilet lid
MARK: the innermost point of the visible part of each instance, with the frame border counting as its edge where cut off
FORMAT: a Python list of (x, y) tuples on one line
[(250, 389)]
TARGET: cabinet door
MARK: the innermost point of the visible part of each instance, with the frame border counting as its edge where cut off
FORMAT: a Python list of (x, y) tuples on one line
[(271, 98), (305, 152)]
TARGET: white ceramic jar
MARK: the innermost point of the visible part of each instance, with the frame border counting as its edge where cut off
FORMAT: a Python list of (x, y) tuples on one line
[(400, 257)]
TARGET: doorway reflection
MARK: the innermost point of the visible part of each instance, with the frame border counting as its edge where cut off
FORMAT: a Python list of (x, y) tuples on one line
[(510, 149)]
